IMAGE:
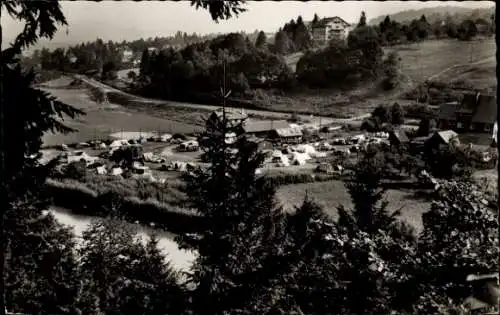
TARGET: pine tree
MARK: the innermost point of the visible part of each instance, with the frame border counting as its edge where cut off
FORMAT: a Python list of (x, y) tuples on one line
[(39, 261), (261, 40), (145, 65), (362, 19), (243, 225), (315, 19)]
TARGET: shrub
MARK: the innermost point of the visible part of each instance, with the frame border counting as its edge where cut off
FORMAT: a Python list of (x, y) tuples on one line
[(75, 170)]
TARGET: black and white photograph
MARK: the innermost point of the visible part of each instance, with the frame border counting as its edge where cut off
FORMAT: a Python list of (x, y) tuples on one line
[(211, 157)]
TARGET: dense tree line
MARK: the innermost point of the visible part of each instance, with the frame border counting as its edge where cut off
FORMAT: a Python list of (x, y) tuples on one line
[(252, 258), (199, 68), (360, 57), (393, 32)]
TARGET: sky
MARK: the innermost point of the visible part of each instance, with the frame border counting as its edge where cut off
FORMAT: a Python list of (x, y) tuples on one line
[(128, 20)]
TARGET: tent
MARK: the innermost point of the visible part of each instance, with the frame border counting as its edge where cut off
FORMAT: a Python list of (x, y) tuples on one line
[(299, 158), (101, 170), (115, 171), (281, 160), (118, 143)]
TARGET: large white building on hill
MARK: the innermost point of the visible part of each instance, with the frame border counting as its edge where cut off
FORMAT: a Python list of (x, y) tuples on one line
[(332, 28)]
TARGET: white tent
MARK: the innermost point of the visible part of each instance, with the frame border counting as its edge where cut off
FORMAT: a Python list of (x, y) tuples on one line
[(299, 158), (115, 171), (118, 143), (101, 170), (281, 160)]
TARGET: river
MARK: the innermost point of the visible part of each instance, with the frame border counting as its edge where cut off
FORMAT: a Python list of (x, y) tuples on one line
[(180, 259)]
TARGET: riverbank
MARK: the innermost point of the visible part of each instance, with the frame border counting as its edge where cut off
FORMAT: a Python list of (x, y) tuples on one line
[(180, 259)]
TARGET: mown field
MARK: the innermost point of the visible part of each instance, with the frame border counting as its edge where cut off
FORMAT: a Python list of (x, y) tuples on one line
[(427, 59), (331, 194), (102, 120), (481, 74)]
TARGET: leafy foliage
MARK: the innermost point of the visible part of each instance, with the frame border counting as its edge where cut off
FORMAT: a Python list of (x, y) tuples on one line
[(466, 244), (121, 275)]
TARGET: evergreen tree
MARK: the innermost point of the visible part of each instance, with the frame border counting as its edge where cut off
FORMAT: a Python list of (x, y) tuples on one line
[(315, 19), (362, 19), (261, 40), (38, 259), (282, 43), (242, 234), (145, 65), (121, 275)]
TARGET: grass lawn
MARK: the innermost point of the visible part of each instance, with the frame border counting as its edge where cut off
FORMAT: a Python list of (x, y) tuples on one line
[(331, 194), (423, 60), (101, 121), (447, 59), (481, 74)]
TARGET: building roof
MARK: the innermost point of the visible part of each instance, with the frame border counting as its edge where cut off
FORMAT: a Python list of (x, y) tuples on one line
[(289, 132), (400, 135), (446, 135), (264, 125), (486, 110), (231, 114), (447, 111), (323, 22)]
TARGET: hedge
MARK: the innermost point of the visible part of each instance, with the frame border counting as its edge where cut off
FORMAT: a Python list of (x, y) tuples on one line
[(289, 179), (80, 199)]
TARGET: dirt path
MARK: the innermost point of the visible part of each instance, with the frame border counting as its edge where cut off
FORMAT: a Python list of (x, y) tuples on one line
[(477, 62)]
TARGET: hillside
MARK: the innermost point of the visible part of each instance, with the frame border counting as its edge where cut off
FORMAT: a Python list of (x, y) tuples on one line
[(437, 14)]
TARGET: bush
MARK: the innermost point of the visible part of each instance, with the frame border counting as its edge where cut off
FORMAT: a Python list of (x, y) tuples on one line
[(79, 198), (75, 170), (289, 179)]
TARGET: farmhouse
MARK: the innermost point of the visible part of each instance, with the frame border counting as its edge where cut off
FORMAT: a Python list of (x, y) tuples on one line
[(332, 28), (477, 112), (232, 116), (263, 128), (288, 135), (442, 138), (398, 137)]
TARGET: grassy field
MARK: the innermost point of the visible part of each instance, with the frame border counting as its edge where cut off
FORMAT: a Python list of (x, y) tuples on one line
[(102, 120), (432, 59), (481, 74), (424, 60), (331, 194)]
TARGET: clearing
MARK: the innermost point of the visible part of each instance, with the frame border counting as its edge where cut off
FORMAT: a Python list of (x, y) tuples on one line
[(102, 120), (332, 194)]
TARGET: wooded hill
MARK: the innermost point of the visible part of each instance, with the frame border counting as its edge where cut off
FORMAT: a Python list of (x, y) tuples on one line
[(434, 14)]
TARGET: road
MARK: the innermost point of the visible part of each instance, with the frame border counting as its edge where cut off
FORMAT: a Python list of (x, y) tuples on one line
[(314, 120)]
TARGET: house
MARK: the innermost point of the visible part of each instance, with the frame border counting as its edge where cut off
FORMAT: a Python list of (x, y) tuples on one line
[(288, 135), (233, 117), (442, 138), (263, 128), (477, 113), (398, 137), (127, 55), (332, 28)]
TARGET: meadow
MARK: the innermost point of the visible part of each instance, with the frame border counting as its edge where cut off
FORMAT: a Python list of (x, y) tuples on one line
[(428, 59), (102, 120), (332, 194)]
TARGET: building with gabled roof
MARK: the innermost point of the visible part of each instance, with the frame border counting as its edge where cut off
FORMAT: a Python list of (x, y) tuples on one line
[(331, 28), (477, 113)]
